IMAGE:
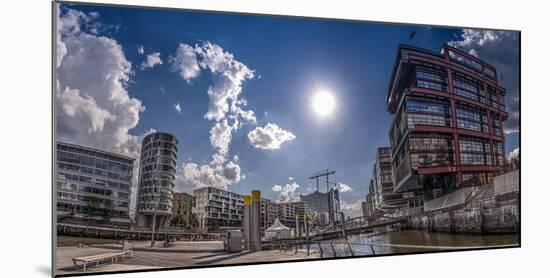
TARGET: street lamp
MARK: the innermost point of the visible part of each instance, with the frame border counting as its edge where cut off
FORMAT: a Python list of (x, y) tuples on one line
[(162, 196)]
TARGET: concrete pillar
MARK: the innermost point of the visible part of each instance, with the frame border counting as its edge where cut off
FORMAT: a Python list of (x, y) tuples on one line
[(246, 221), (255, 230)]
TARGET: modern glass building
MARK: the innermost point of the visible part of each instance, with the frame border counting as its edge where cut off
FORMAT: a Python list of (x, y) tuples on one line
[(157, 177), (93, 186), (447, 129)]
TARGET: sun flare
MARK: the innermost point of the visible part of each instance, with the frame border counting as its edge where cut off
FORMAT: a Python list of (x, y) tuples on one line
[(323, 103)]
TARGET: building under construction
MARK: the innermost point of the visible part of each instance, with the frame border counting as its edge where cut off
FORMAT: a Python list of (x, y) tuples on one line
[(327, 204)]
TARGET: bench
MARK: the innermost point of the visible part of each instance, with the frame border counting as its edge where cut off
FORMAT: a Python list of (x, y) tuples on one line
[(112, 256)]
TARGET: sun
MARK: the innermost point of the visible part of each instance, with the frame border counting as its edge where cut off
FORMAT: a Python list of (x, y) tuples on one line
[(323, 103)]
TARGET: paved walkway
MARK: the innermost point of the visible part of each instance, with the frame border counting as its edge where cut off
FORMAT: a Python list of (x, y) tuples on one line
[(183, 254)]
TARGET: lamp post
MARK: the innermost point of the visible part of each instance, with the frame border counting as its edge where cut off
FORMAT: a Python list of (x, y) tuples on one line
[(162, 195)]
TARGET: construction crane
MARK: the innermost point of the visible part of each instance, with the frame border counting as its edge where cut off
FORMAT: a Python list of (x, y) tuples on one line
[(324, 173)]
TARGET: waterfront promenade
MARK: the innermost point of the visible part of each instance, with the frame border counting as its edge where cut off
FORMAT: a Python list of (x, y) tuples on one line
[(182, 254)]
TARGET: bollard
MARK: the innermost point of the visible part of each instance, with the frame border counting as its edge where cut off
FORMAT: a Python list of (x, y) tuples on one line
[(255, 218), (246, 222), (306, 226)]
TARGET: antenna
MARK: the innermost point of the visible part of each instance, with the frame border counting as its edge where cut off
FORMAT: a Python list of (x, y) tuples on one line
[(324, 173)]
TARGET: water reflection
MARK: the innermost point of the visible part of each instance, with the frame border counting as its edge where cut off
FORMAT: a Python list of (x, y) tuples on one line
[(361, 244)]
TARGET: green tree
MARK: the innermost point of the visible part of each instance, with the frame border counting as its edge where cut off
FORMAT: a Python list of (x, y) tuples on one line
[(96, 207), (212, 224), (107, 209), (93, 205), (177, 221), (193, 222)]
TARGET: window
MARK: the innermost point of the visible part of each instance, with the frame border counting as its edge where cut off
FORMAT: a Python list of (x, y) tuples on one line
[(431, 79), (470, 118), (475, 151)]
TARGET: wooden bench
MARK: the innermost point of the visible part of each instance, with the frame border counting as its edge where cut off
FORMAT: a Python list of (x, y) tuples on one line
[(112, 256)]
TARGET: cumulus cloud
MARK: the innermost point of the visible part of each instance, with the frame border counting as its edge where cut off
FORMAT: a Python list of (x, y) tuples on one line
[(269, 137), (342, 187), (287, 193), (500, 49), (140, 50), (226, 109), (178, 107), (513, 154), (151, 60), (94, 107), (228, 76), (351, 209), (185, 62), (192, 175)]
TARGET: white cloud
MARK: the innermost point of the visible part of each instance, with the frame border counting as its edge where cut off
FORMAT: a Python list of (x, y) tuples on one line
[(228, 76), (220, 137), (185, 62), (269, 137), (94, 107), (513, 154), (226, 108), (151, 60), (351, 209), (178, 107), (192, 175), (342, 187), (140, 50), (500, 49), (287, 193)]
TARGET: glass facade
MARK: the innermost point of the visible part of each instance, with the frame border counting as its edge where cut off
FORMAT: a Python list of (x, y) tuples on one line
[(93, 184), (453, 130), (157, 175)]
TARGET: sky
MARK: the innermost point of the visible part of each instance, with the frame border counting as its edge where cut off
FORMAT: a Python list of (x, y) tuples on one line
[(238, 91)]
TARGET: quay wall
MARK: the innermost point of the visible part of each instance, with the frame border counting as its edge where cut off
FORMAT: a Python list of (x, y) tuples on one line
[(491, 208)]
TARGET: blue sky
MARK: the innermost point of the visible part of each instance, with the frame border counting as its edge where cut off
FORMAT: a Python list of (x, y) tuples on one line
[(291, 60)]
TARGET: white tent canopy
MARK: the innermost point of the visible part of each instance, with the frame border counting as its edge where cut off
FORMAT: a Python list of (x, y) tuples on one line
[(277, 231)]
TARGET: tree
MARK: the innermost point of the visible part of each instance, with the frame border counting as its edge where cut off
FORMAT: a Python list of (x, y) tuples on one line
[(212, 224), (193, 222), (97, 207), (107, 209), (92, 207), (177, 221)]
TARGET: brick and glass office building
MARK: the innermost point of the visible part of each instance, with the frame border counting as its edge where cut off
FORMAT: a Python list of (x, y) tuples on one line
[(383, 182), (157, 177), (447, 129), (92, 186)]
